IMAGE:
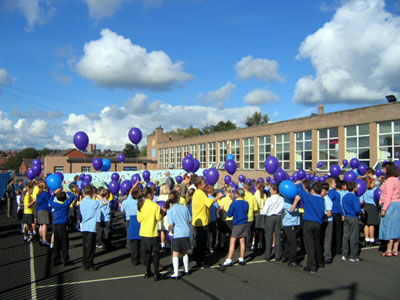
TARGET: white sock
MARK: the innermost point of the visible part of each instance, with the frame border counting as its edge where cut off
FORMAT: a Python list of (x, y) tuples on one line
[(162, 245), (186, 263), (175, 263), (241, 259), (372, 240), (228, 260)]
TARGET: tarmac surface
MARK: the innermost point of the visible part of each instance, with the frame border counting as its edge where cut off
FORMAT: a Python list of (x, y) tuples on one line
[(27, 272)]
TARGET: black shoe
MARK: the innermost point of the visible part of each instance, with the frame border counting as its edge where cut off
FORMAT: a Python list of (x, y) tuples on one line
[(57, 263), (285, 260), (242, 263), (174, 277), (278, 259), (148, 275), (294, 265), (68, 263), (328, 261), (309, 270), (321, 266), (157, 277), (186, 273)]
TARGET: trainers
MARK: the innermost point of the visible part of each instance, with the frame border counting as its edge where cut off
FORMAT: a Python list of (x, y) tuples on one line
[(227, 264), (253, 247), (344, 258), (354, 259), (309, 270)]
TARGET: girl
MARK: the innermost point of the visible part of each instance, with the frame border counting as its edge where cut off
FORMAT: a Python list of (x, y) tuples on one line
[(104, 226), (28, 210), (42, 198), (178, 220), (226, 222), (148, 214), (238, 210), (134, 226), (163, 224), (370, 212), (261, 197)]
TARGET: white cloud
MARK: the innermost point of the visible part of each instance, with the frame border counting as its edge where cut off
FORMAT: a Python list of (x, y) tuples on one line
[(99, 9), (260, 68), (113, 61), (259, 97), (356, 56), (34, 114), (218, 97)]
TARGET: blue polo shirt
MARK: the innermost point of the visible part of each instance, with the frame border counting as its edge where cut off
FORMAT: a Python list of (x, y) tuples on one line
[(328, 206), (129, 207), (179, 216), (351, 205), (290, 218), (368, 197), (239, 210), (61, 209), (43, 201), (335, 198), (89, 210), (314, 206), (105, 211)]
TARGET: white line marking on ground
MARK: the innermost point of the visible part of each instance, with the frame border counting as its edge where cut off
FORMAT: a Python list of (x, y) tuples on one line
[(33, 274)]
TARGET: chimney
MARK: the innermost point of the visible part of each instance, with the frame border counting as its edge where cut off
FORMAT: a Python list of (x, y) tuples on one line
[(321, 109)]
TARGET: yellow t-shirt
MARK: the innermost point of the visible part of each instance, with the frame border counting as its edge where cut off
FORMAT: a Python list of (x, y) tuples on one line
[(28, 199), (182, 201), (260, 200), (35, 192), (111, 197), (253, 206), (201, 208), (225, 203), (148, 217)]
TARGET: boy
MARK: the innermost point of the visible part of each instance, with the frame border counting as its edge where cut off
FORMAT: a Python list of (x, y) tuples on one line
[(104, 225), (291, 223), (327, 224), (337, 230), (253, 207), (351, 211), (61, 211), (314, 209)]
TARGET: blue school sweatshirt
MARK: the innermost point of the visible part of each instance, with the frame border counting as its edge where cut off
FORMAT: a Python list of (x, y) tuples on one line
[(351, 205), (335, 197), (314, 205), (43, 201), (239, 210), (61, 209)]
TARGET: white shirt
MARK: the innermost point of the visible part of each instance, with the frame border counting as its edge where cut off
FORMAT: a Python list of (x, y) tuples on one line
[(273, 205)]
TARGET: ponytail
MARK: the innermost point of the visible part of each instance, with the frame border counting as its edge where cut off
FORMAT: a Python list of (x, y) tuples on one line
[(173, 198)]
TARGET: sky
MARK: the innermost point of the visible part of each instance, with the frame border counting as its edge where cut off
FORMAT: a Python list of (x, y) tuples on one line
[(105, 66)]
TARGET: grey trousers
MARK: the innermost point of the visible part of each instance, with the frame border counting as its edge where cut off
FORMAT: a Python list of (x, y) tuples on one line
[(351, 234), (10, 206), (327, 231), (273, 225)]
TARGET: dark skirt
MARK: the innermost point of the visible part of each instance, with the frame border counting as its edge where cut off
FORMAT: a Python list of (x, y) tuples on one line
[(260, 221), (43, 217), (28, 219), (181, 245), (226, 226), (371, 214), (241, 230), (150, 244)]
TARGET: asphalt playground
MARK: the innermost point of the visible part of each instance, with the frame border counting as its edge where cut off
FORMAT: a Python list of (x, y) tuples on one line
[(26, 272)]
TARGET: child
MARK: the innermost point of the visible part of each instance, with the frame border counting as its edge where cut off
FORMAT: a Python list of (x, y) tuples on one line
[(28, 211), (225, 221), (178, 189), (272, 211), (253, 207), (337, 230), (130, 208), (42, 198), (370, 212), (314, 209), (20, 207), (351, 211), (239, 210), (104, 226), (61, 211), (291, 223), (163, 224), (327, 224), (89, 209), (148, 215), (179, 220), (261, 197), (212, 226)]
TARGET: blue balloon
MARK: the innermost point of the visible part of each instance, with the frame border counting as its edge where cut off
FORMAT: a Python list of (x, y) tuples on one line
[(288, 189), (53, 181), (230, 156), (106, 165)]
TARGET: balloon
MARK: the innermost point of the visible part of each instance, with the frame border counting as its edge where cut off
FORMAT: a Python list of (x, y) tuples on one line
[(230, 157), (30, 174), (135, 178), (179, 179), (97, 163), (126, 187), (61, 175), (361, 187), (377, 194), (271, 164), (295, 176), (315, 179), (189, 155), (146, 176), (230, 166), (88, 178), (350, 176), (227, 179), (106, 165), (362, 168), (378, 172), (37, 169), (233, 185), (161, 204), (279, 175), (288, 189), (322, 179), (320, 164), (149, 184), (196, 165), (114, 186), (53, 181), (397, 163), (212, 176), (82, 176), (187, 163), (260, 180), (114, 176), (205, 171), (135, 135), (301, 174), (335, 170), (36, 162), (84, 184), (248, 180), (354, 163), (121, 158), (345, 162), (308, 176), (291, 178), (241, 178), (356, 172), (273, 181), (268, 179), (81, 140)]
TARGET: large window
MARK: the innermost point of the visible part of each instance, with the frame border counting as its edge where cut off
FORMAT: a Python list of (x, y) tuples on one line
[(304, 150), (160, 158), (328, 147), (178, 158), (235, 150), (389, 140), (194, 151), (223, 151), (248, 154), (166, 157), (172, 155), (59, 169), (264, 150), (282, 143), (85, 169), (212, 154), (202, 155), (185, 151), (357, 143)]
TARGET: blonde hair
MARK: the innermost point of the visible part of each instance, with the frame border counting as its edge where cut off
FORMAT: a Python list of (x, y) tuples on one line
[(229, 191), (164, 189)]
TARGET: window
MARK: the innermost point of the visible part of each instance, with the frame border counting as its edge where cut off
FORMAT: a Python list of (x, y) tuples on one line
[(328, 147), (282, 143), (202, 155), (264, 150), (194, 151), (166, 158), (304, 150), (185, 151), (248, 153), (178, 158), (59, 169), (160, 158), (172, 155), (212, 153), (357, 143), (85, 169), (223, 151), (235, 150), (130, 168), (389, 140)]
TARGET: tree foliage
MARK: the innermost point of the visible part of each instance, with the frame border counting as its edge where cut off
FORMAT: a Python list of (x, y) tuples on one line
[(221, 126), (14, 162), (131, 151), (257, 119)]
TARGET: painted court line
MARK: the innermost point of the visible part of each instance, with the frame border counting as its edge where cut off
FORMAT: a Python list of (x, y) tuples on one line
[(33, 274), (138, 275)]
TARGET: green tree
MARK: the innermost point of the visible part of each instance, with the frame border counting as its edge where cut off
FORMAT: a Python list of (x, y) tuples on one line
[(187, 132), (131, 151), (14, 162), (221, 126), (257, 119), (143, 151)]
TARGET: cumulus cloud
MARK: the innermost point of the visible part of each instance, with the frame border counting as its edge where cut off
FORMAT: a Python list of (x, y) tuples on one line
[(34, 114), (4, 77), (99, 9), (260, 68), (113, 61), (259, 97), (356, 56), (218, 97)]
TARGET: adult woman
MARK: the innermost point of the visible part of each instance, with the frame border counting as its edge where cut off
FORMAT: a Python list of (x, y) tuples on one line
[(390, 209)]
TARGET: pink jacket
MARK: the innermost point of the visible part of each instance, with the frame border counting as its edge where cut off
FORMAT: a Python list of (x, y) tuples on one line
[(390, 192)]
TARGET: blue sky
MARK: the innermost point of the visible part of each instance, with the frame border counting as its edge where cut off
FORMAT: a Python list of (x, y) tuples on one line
[(104, 66)]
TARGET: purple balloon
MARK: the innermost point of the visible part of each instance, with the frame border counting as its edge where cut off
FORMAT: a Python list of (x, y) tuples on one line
[(141, 186), (115, 177), (320, 164), (242, 178), (179, 179), (322, 179), (36, 162), (301, 174), (335, 170), (82, 177), (150, 184), (350, 176), (345, 162), (230, 166), (97, 163), (126, 187), (61, 175), (354, 163), (135, 135), (315, 179), (295, 178), (361, 187), (271, 164), (205, 171), (121, 158), (268, 179), (190, 155), (196, 165), (84, 184), (248, 180), (397, 163), (232, 184), (279, 175), (146, 176), (291, 178), (161, 204), (212, 176), (187, 163), (114, 186), (135, 178), (30, 174), (37, 169), (260, 180), (88, 178), (81, 140), (378, 172), (377, 194), (308, 177), (362, 168), (273, 181), (227, 179)]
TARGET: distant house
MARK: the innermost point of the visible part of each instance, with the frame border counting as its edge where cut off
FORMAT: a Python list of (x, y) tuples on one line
[(25, 165)]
